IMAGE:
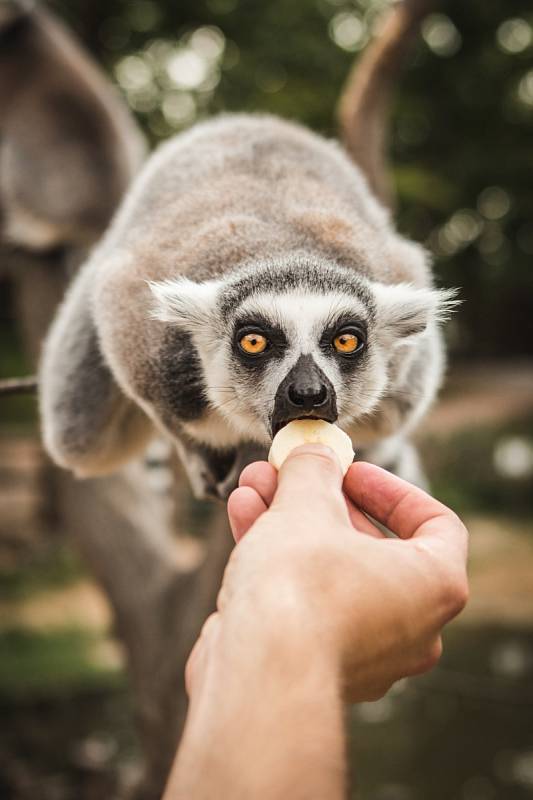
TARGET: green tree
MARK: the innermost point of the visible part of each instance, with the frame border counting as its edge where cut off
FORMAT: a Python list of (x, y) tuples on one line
[(461, 127)]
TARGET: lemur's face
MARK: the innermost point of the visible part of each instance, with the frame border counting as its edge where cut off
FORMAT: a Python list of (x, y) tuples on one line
[(282, 344), (298, 353)]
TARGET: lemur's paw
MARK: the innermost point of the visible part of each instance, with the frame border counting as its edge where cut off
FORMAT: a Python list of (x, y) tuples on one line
[(214, 475), (246, 454), (203, 483)]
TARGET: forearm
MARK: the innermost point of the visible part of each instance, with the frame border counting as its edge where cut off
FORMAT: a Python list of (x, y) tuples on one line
[(268, 727)]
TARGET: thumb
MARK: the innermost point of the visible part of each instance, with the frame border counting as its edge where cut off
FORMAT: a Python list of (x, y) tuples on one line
[(310, 479)]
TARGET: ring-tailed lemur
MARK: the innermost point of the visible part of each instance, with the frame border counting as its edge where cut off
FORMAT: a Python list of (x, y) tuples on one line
[(249, 278)]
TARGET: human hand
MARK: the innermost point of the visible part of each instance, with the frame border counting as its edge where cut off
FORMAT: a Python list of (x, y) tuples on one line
[(312, 570), (316, 604)]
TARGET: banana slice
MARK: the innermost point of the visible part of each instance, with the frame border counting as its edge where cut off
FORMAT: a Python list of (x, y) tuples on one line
[(311, 431)]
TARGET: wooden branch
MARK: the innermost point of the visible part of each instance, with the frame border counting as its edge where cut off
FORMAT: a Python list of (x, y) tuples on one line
[(364, 103), (18, 385)]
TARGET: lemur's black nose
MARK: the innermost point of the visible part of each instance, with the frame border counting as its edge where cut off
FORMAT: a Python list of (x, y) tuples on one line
[(307, 395), (304, 392)]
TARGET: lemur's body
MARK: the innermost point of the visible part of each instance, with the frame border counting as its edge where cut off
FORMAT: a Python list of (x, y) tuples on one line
[(250, 217)]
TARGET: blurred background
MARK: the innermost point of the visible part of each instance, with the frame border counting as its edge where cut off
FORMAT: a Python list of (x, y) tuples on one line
[(462, 155)]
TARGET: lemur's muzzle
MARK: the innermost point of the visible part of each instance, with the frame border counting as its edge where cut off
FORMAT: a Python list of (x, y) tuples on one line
[(304, 392)]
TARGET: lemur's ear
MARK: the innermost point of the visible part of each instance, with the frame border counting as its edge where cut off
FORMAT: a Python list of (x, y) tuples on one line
[(185, 303), (89, 425), (404, 310)]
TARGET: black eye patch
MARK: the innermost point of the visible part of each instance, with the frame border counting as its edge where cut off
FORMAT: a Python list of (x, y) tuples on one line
[(346, 362), (341, 323), (180, 381), (277, 341)]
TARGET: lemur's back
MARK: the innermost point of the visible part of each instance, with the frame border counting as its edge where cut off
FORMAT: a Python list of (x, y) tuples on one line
[(242, 186)]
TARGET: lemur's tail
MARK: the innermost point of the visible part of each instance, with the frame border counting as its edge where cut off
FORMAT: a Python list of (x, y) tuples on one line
[(365, 99)]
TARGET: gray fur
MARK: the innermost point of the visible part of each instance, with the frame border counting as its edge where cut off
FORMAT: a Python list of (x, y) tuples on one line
[(249, 215), (89, 425)]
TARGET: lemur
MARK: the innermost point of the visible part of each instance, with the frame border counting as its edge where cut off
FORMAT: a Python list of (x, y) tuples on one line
[(251, 276)]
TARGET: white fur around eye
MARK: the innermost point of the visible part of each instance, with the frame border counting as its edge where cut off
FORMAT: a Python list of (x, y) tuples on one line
[(304, 315)]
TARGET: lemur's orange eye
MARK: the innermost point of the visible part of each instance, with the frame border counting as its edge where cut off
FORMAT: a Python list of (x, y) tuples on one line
[(346, 343), (253, 343)]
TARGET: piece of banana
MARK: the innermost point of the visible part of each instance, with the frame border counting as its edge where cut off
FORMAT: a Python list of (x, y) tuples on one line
[(311, 431)]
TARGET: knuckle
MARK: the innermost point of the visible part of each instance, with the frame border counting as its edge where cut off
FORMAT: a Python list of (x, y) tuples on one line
[(454, 594), (429, 659), (433, 655), (449, 580)]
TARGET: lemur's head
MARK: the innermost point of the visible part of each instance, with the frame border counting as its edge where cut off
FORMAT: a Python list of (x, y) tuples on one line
[(296, 338)]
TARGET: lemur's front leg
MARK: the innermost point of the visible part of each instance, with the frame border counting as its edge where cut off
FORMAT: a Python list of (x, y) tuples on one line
[(215, 473)]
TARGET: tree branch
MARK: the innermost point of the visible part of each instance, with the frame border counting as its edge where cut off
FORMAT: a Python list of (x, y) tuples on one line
[(364, 103), (18, 385)]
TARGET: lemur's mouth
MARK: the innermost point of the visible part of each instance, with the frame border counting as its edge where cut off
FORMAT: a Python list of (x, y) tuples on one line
[(279, 424)]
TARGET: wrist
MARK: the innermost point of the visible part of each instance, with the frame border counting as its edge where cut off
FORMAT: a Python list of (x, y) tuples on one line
[(266, 712)]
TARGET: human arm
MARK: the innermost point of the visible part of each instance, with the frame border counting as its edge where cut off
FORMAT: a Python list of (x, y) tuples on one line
[(317, 607)]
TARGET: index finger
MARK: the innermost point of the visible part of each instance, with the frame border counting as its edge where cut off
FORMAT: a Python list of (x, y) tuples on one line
[(403, 508), (261, 476)]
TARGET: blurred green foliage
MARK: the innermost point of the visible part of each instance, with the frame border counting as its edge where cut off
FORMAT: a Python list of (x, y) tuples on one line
[(53, 662), (55, 568), (484, 469), (462, 124)]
